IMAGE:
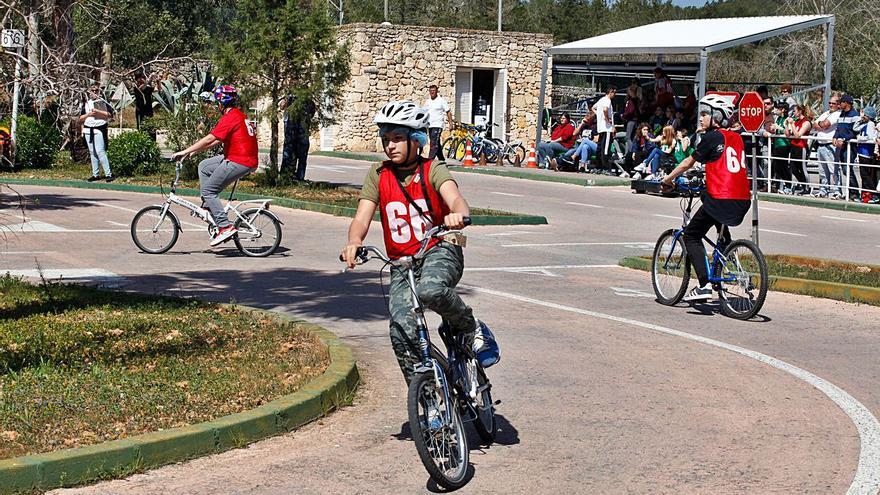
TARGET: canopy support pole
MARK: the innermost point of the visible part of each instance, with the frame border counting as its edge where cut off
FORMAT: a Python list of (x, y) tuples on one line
[(829, 46), (540, 120), (701, 76)]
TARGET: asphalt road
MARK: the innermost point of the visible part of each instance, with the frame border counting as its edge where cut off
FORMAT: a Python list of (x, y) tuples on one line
[(603, 390)]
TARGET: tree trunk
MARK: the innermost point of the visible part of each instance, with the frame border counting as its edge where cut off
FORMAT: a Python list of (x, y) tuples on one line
[(33, 42), (106, 52), (62, 19)]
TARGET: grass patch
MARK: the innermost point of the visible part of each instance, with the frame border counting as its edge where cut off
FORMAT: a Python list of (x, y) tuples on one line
[(317, 192), (80, 366), (782, 265)]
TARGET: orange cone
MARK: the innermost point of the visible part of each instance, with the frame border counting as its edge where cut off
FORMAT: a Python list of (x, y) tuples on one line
[(532, 161), (468, 156)]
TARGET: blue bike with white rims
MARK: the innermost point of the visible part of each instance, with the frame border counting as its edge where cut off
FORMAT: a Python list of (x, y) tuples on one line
[(737, 271)]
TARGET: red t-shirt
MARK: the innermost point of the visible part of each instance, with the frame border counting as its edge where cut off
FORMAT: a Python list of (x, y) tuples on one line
[(402, 225), (239, 138), (726, 169), (800, 143), (565, 133)]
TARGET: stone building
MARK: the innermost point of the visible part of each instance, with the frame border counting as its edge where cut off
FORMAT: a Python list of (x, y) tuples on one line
[(486, 76)]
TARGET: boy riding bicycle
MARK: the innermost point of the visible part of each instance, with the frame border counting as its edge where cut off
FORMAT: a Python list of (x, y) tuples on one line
[(413, 194), (727, 197), (239, 158)]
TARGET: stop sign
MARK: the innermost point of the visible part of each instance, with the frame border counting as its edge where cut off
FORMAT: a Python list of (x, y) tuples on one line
[(751, 112)]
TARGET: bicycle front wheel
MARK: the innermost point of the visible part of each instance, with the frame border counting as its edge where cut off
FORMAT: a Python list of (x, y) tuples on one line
[(460, 150), (744, 288), (449, 146), (259, 233), (153, 232), (514, 152), (670, 268), (438, 432)]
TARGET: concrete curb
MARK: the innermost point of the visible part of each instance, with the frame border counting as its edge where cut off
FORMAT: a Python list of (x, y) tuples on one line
[(562, 179), (117, 458), (817, 288), (821, 203), (339, 211)]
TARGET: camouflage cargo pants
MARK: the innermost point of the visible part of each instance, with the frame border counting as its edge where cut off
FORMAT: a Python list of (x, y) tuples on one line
[(436, 278)]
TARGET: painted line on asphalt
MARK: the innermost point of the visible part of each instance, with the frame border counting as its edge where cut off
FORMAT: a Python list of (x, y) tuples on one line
[(65, 273), (784, 233), (552, 244), (534, 268), (25, 252), (867, 478), (101, 203), (35, 226), (846, 219), (583, 204), (118, 224), (666, 216), (769, 209), (506, 194), (515, 232)]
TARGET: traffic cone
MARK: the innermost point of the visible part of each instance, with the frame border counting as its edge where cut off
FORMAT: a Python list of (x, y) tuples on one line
[(532, 161), (468, 156), (500, 161)]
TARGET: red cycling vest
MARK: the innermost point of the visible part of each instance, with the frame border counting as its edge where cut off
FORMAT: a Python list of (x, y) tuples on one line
[(726, 177), (402, 224)]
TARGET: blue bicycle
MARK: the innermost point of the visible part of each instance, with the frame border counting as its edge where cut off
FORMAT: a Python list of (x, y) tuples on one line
[(738, 271)]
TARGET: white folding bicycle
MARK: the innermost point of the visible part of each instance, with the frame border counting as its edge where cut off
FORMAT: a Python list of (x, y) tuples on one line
[(156, 228)]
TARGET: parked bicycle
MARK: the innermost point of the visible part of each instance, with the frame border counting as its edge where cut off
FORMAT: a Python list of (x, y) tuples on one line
[(738, 274), (510, 150), (448, 389), (155, 228)]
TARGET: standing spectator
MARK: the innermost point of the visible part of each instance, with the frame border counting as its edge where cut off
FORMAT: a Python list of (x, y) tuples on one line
[(288, 154), (663, 89), (785, 90), (796, 127), (631, 114), (780, 147), (829, 171), (846, 152), (295, 151), (143, 101), (604, 110), (562, 139), (438, 115), (867, 153), (95, 118)]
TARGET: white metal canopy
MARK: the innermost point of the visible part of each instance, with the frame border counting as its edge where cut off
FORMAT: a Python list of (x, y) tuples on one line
[(690, 36)]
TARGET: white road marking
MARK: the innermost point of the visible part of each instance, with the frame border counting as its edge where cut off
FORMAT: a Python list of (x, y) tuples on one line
[(621, 291), (64, 273), (34, 226), (666, 216), (551, 244), (108, 205), (25, 252), (784, 233), (846, 219), (507, 194), (325, 167), (867, 477), (118, 224), (769, 209), (514, 232), (535, 268), (583, 204)]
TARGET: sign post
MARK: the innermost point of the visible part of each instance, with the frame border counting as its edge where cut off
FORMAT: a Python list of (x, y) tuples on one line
[(751, 116), (14, 38)]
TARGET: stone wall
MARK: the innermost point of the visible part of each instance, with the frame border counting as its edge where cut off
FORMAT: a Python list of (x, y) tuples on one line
[(399, 62)]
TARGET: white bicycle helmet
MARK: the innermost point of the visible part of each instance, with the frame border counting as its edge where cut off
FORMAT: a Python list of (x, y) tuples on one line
[(721, 108), (402, 113)]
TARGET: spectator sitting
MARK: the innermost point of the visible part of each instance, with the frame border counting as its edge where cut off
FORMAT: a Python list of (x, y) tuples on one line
[(868, 154), (561, 139), (657, 121), (581, 153), (670, 118), (641, 148), (664, 154), (683, 148)]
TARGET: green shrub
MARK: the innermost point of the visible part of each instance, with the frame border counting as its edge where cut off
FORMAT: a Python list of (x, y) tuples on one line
[(184, 128), (35, 142), (133, 153)]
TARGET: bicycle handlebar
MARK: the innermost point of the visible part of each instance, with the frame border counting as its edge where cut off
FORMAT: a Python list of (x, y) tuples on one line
[(438, 231)]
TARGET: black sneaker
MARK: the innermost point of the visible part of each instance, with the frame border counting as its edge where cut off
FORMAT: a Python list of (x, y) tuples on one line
[(110, 178), (93, 178), (699, 293)]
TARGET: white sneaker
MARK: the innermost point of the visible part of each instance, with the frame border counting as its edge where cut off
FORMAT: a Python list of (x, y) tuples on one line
[(624, 174), (224, 235), (637, 176), (698, 293), (641, 167)]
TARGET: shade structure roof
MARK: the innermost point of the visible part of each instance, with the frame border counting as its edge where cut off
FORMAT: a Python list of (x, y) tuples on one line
[(691, 36)]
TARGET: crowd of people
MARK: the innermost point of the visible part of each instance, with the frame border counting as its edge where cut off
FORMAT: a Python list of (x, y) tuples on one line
[(661, 130)]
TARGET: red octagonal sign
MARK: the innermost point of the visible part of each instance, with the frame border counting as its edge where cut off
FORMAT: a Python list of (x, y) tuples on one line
[(751, 112)]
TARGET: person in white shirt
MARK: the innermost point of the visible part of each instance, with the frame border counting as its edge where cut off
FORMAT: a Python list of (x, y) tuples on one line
[(604, 110), (438, 116), (829, 172), (95, 118)]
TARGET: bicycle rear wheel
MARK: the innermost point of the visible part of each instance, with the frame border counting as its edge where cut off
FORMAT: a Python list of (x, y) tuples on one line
[(442, 447), (743, 296), (460, 150), (448, 147), (514, 152), (670, 268), (153, 232), (485, 422), (262, 237)]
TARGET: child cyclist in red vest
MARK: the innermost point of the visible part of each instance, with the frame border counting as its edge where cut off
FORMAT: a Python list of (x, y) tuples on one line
[(727, 197), (413, 194)]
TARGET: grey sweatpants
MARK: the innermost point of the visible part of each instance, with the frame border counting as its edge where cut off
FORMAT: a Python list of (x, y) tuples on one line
[(215, 174), (436, 278)]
